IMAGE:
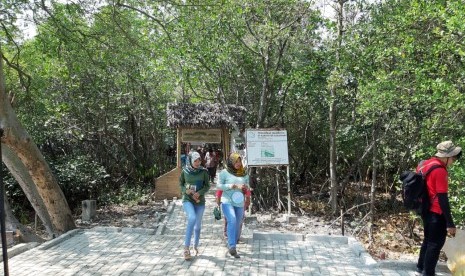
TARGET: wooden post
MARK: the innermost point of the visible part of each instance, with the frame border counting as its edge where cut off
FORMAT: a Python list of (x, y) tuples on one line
[(288, 192), (178, 147), (226, 146), (227, 142)]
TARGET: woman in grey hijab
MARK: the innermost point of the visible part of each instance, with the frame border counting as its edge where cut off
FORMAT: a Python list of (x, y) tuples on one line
[(194, 182)]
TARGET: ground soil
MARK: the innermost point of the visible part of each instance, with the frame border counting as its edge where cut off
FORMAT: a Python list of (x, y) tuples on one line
[(395, 235)]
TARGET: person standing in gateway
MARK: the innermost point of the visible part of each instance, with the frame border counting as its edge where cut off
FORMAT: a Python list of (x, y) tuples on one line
[(211, 162), (437, 218), (194, 182)]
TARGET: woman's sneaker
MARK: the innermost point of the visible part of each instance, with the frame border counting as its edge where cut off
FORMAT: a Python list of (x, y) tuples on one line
[(233, 252), (187, 254)]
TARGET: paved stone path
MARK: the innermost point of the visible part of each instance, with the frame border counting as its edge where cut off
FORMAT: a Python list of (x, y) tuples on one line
[(158, 251)]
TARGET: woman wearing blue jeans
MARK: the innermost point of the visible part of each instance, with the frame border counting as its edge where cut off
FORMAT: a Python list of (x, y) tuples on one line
[(194, 182), (232, 182)]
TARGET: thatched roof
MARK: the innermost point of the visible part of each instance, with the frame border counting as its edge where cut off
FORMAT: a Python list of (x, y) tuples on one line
[(205, 115)]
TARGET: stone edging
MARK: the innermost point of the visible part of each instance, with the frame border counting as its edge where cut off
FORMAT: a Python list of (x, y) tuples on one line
[(59, 239), (19, 248), (23, 247), (352, 243), (162, 226)]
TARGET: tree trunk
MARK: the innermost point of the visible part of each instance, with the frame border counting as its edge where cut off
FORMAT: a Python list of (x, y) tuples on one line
[(12, 223), (265, 88), (333, 112), (21, 144), (373, 183), (21, 174), (332, 153)]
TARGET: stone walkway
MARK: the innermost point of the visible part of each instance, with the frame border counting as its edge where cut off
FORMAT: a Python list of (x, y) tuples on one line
[(158, 251)]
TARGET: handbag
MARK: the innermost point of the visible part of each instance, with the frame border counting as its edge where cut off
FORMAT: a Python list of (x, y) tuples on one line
[(237, 197), (217, 213)]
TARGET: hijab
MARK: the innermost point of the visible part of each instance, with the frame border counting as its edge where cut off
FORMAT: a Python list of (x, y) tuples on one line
[(233, 157), (193, 155)]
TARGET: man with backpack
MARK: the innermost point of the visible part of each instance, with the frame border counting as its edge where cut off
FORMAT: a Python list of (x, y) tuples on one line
[(436, 216)]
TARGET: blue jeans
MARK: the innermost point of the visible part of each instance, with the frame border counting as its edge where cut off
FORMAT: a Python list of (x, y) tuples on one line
[(194, 222), (234, 217)]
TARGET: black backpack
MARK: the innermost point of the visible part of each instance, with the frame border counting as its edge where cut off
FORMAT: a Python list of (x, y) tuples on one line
[(414, 190)]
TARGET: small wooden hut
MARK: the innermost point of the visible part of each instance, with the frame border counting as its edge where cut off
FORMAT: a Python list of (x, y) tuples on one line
[(198, 123)]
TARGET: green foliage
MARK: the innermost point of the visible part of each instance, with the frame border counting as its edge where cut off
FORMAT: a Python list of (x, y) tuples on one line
[(457, 194), (457, 189), (101, 79), (81, 178), (98, 86), (127, 194)]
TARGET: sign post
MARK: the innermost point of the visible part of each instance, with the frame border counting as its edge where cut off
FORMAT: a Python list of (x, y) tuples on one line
[(2, 212), (268, 147)]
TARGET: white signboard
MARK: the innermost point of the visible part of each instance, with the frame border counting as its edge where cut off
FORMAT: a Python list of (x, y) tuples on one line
[(266, 147)]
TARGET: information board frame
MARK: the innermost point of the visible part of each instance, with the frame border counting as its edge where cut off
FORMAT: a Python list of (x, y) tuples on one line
[(266, 147), (269, 148)]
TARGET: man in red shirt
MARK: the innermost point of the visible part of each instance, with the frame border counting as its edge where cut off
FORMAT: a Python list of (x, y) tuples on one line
[(437, 218)]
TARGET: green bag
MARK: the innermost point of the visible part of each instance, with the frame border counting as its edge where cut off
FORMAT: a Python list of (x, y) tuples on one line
[(217, 213)]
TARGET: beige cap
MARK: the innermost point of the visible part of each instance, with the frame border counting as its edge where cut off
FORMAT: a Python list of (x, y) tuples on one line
[(447, 149)]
